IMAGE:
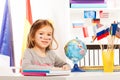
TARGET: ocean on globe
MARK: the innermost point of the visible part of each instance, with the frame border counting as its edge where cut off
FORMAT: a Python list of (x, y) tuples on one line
[(75, 50)]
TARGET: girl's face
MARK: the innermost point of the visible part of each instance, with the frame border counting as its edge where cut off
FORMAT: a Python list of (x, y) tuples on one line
[(43, 37)]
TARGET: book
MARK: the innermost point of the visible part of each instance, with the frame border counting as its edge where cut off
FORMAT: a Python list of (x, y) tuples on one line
[(46, 72), (87, 1), (86, 5), (33, 74)]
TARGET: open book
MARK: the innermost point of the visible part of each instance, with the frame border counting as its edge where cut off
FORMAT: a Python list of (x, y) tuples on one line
[(46, 72)]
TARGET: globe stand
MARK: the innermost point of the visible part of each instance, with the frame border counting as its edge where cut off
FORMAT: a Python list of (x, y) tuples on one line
[(76, 69)]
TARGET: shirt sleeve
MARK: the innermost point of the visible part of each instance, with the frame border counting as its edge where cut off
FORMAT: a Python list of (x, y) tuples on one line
[(59, 62), (27, 62)]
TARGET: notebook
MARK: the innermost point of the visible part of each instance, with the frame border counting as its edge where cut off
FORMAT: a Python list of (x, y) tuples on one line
[(33, 74), (46, 72)]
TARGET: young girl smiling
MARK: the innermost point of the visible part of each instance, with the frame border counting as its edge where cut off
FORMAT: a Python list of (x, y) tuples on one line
[(39, 53)]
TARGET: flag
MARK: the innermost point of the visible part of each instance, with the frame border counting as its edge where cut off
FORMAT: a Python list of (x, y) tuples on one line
[(114, 28), (90, 14), (6, 36), (28, 23), (78, 25), (99, 25), (103, 14), (102, 32), (97, 21), (85, 32), (118, 32)]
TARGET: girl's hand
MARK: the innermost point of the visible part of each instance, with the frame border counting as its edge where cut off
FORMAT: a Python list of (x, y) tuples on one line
[(56, 68), (66, 67)]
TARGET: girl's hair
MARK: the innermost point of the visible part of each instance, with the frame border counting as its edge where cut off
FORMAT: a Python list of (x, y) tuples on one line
[(35, 26)]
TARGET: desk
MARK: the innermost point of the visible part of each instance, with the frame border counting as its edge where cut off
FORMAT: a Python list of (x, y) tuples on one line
[(72, 76)]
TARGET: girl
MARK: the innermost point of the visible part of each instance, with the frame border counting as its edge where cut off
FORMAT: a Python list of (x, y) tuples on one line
[(39, 54)]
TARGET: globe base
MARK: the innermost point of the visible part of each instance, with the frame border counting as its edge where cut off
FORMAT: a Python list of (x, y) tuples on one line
[(76, 69)]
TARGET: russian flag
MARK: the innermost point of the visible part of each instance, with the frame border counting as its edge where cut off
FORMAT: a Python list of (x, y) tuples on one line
[(102, 32)]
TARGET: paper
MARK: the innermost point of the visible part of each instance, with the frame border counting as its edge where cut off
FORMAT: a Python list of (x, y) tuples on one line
[(59, 73)]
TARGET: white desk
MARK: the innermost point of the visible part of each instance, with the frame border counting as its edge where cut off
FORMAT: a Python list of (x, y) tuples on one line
[(72, 76)]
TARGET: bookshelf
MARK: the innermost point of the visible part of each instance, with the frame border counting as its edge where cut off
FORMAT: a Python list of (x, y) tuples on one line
[(77, 16)]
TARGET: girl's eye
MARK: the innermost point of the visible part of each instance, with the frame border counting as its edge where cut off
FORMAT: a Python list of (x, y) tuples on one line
[(41, 33), (49, 34)]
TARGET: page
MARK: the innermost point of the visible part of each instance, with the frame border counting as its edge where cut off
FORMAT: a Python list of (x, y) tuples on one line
[(59, 72)]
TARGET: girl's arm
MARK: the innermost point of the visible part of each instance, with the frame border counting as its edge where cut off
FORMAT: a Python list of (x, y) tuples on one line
[(61, 63)]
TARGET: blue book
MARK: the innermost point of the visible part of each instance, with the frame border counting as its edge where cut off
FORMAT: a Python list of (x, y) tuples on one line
[(86, 5), (41, 71)]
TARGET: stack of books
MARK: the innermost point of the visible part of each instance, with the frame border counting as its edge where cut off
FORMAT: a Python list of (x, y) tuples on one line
[(46, 72)]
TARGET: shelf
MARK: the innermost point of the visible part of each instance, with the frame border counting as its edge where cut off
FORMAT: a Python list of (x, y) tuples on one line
[(110, 14), (78, 9)]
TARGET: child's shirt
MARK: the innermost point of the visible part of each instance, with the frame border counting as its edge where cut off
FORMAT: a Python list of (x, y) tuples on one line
[(32, 60)]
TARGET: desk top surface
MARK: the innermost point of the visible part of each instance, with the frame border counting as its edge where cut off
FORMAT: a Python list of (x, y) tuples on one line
[(72, 76)]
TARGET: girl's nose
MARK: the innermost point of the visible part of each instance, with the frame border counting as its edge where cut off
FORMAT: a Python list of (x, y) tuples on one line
[(46, 37)]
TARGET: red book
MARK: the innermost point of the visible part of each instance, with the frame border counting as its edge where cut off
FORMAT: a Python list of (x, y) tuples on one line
[(33, 74)]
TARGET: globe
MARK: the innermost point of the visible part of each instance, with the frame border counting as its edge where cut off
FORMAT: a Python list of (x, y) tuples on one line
[(75, 50)]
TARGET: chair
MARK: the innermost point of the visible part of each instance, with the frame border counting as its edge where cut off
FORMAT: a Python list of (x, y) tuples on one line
[(5, 66)]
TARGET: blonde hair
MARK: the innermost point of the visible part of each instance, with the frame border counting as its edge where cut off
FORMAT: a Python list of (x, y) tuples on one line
[(35, 26)]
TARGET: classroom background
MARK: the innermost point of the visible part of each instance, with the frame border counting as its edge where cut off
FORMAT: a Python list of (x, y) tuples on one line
[(58, 11)]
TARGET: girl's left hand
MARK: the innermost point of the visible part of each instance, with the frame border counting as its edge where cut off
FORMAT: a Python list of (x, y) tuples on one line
[(66, 67)]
